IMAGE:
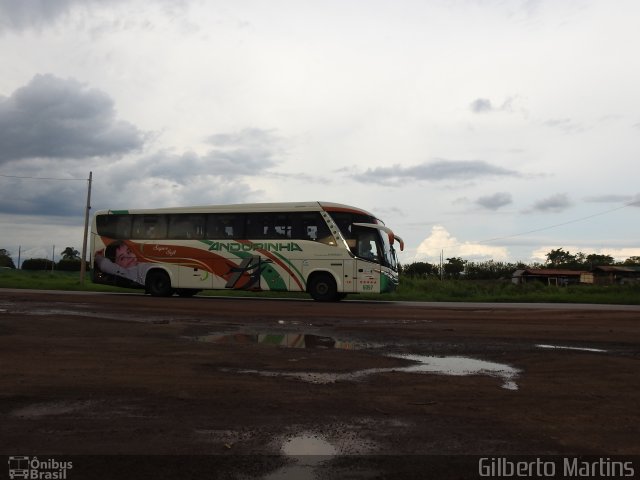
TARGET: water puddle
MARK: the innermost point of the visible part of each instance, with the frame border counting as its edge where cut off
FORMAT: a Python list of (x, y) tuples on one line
[(287, 340), (308, 454), (422, 364), (462, 366), (581, 349), (308, 444)]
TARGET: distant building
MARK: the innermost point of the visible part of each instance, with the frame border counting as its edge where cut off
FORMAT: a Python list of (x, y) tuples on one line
[(549, 276), (610, 275)]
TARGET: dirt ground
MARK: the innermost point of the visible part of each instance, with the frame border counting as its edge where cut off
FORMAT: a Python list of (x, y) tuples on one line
[(256, 385)]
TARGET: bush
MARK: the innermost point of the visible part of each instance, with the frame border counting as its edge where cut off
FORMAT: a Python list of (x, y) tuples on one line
[(6, 261), (68, 265), (37, 264)]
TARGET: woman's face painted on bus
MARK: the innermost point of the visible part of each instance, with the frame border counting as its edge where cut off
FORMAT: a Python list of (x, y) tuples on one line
[(125, 257)]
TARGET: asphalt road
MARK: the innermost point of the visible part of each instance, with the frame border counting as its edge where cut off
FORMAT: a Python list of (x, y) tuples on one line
[(251, 384)]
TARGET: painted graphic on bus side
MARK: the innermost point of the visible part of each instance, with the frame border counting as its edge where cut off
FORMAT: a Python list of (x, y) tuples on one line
[(251, 262)]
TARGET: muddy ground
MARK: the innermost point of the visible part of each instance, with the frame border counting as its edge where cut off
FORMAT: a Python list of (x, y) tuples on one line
[(241, 386)]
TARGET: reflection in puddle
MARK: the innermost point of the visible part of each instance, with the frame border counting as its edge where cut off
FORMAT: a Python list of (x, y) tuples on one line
[(583, 349), (288, 340), (307, 444), (307, 452), (422, 364), (462, 366)]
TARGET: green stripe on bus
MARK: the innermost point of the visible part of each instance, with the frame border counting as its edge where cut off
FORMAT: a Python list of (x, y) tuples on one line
[(273, 279), (293, 267)]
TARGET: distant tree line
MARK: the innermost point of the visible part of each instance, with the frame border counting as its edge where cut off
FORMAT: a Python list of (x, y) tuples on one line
[(69, 261), (456, 267)]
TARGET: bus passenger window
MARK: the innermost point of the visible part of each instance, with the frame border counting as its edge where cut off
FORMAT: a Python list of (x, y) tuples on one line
[(152, 227), (225, 226), (186, 226), (114, 226), (310, 226)]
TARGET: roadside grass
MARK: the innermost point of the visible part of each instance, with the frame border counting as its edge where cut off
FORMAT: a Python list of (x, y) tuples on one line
[(435, 290), (410, 289), (47, 280)]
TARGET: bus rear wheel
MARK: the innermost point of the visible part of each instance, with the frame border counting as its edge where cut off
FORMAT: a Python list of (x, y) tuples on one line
[(322, 287), (159, 284)]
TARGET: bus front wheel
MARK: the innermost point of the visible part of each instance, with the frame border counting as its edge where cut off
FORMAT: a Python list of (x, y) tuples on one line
[(159, 284), (322, 288)]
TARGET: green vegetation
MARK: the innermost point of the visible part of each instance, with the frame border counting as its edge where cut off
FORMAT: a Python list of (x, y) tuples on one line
[(428, 289), (459, 281), (432, 289), (48, 280)]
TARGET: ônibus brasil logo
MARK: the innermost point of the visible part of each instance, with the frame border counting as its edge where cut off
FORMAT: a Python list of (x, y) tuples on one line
[(33, 468)]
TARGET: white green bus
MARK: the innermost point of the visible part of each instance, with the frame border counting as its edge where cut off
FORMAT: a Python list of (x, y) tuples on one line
[(326, 249)]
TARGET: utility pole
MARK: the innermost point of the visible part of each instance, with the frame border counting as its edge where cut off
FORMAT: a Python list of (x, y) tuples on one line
[(83, 261), (19, 253), (53, 257)]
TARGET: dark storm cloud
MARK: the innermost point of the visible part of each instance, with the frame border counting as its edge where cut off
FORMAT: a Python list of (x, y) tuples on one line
[(438, 170), (22, 14), (481, 105), (495, 201), (555, 204), (630, 200), (566, 125), (38, 197), (55, 118), (248, 152), (484, 105)]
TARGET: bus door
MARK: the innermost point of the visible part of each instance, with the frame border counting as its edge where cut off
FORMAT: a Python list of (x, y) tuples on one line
[(368, 252)]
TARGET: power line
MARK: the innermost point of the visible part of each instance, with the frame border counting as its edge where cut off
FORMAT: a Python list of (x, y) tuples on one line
[(45, 178), (549, 227)]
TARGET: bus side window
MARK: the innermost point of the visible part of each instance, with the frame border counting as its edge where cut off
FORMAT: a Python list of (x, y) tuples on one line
[(114, 226), (281, 223), (257, 225), (151, 227), (225, 226), (311, 226), (186, 226)]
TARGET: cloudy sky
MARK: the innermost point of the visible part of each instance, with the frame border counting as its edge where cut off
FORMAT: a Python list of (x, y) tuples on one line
[(486, 129)]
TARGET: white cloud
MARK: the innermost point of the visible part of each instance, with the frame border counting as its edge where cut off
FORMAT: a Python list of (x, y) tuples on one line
[(441, 241)]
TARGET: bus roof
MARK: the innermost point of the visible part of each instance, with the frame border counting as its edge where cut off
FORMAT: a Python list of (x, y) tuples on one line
[(248, 207)]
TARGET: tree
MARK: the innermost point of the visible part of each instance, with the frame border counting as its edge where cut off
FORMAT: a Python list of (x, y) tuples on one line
[(5, 259), (454, 267), (420, 269), (37, 264), (490, 270), (70, 253), (595, 260), (559, 257), (632, 261)]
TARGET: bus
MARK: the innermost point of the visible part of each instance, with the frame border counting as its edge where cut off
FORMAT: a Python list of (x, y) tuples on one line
[(326, 249)]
